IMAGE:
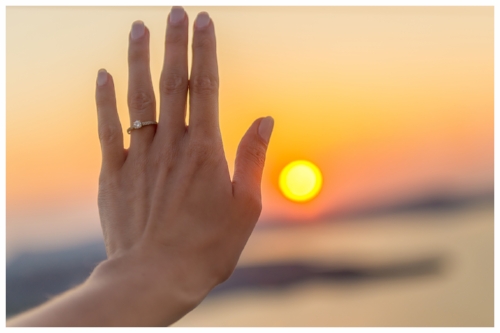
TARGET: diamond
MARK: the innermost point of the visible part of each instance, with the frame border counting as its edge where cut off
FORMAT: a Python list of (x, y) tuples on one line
[(137, 124)]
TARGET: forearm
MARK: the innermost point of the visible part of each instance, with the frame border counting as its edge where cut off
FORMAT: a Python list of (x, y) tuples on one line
[(115, 295)]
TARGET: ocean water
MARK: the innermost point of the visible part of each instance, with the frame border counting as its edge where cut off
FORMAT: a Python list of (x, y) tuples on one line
[(427, 268)]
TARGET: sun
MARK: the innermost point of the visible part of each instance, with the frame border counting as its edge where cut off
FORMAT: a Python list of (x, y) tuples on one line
[(300, 181)]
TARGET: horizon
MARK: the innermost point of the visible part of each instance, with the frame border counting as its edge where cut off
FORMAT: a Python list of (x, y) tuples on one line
[(429, 204)]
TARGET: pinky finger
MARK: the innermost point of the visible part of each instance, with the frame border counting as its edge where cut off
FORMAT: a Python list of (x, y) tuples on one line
[(108, 124)]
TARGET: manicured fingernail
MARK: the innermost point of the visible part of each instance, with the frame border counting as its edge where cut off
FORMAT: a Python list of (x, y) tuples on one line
[(177, 15), (202, 20), (137, 30), (102, 77), (266, 128)]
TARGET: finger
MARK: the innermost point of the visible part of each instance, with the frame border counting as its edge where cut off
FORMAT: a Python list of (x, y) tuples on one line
[(141, 99), (108, 123), (250, 159), (204, 80), (174, 77)]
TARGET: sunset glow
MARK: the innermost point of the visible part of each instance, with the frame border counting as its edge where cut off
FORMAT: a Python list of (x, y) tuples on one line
[(392, 103)]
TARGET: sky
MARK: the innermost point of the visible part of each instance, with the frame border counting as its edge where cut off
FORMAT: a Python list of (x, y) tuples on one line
[(391, 103)]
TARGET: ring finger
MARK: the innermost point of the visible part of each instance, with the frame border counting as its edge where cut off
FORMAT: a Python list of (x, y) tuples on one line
[(141, 99)]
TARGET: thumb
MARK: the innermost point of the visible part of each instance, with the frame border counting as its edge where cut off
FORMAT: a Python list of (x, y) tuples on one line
[(250, 158)]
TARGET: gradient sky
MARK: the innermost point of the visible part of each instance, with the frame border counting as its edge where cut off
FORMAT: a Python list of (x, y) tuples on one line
[(390, 103)]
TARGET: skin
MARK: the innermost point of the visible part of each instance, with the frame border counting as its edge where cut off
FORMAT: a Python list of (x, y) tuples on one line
[(174, 222)]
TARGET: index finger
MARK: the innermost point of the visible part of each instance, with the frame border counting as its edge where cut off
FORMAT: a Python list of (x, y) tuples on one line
[(204, 80), (109, 126)]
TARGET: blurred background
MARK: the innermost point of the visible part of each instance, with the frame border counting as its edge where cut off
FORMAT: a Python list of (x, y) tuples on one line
[(393, 104)]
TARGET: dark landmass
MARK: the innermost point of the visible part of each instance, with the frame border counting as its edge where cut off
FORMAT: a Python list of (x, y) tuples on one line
[(429, 203), (283, 275), (33, 278)]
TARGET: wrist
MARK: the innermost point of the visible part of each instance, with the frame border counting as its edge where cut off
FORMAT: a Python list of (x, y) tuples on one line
[(165, 292)]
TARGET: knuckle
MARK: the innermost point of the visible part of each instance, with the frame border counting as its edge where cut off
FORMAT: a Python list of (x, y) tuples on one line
[(139, 169), (108, 133), (137, 53), (140, 101), (108, 184), (155, 159), (173, 38), (165, 155), (253, 202), (255, 154), (135, 56), (173, 83), (199, 152), (205, 84), (101, 101), (256, 204), (202, 152), (204, 42)]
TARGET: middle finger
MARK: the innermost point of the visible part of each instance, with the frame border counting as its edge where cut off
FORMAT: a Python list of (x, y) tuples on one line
[(174, 77), (204, 81)]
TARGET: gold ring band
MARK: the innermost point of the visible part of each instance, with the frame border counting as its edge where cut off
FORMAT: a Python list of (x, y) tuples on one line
[(139, 124)]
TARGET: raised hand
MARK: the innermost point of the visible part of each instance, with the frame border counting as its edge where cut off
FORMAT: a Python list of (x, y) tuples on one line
[(169, 210)]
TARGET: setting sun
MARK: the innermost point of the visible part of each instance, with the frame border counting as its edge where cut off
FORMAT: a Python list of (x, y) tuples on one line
[(300, 181)]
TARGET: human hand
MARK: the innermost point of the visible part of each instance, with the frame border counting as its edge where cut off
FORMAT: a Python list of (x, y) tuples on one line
[(168, 208)]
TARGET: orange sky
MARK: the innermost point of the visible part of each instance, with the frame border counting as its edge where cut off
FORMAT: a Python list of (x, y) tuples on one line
[(388, 102)]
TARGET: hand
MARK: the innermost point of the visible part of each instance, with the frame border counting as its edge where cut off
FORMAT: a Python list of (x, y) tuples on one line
[(168, 208)]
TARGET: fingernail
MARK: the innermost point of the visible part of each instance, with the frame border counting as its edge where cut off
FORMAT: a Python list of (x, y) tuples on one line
[(102, 77), (137, 30), (177, 15), (266, 128), (202, 20)]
